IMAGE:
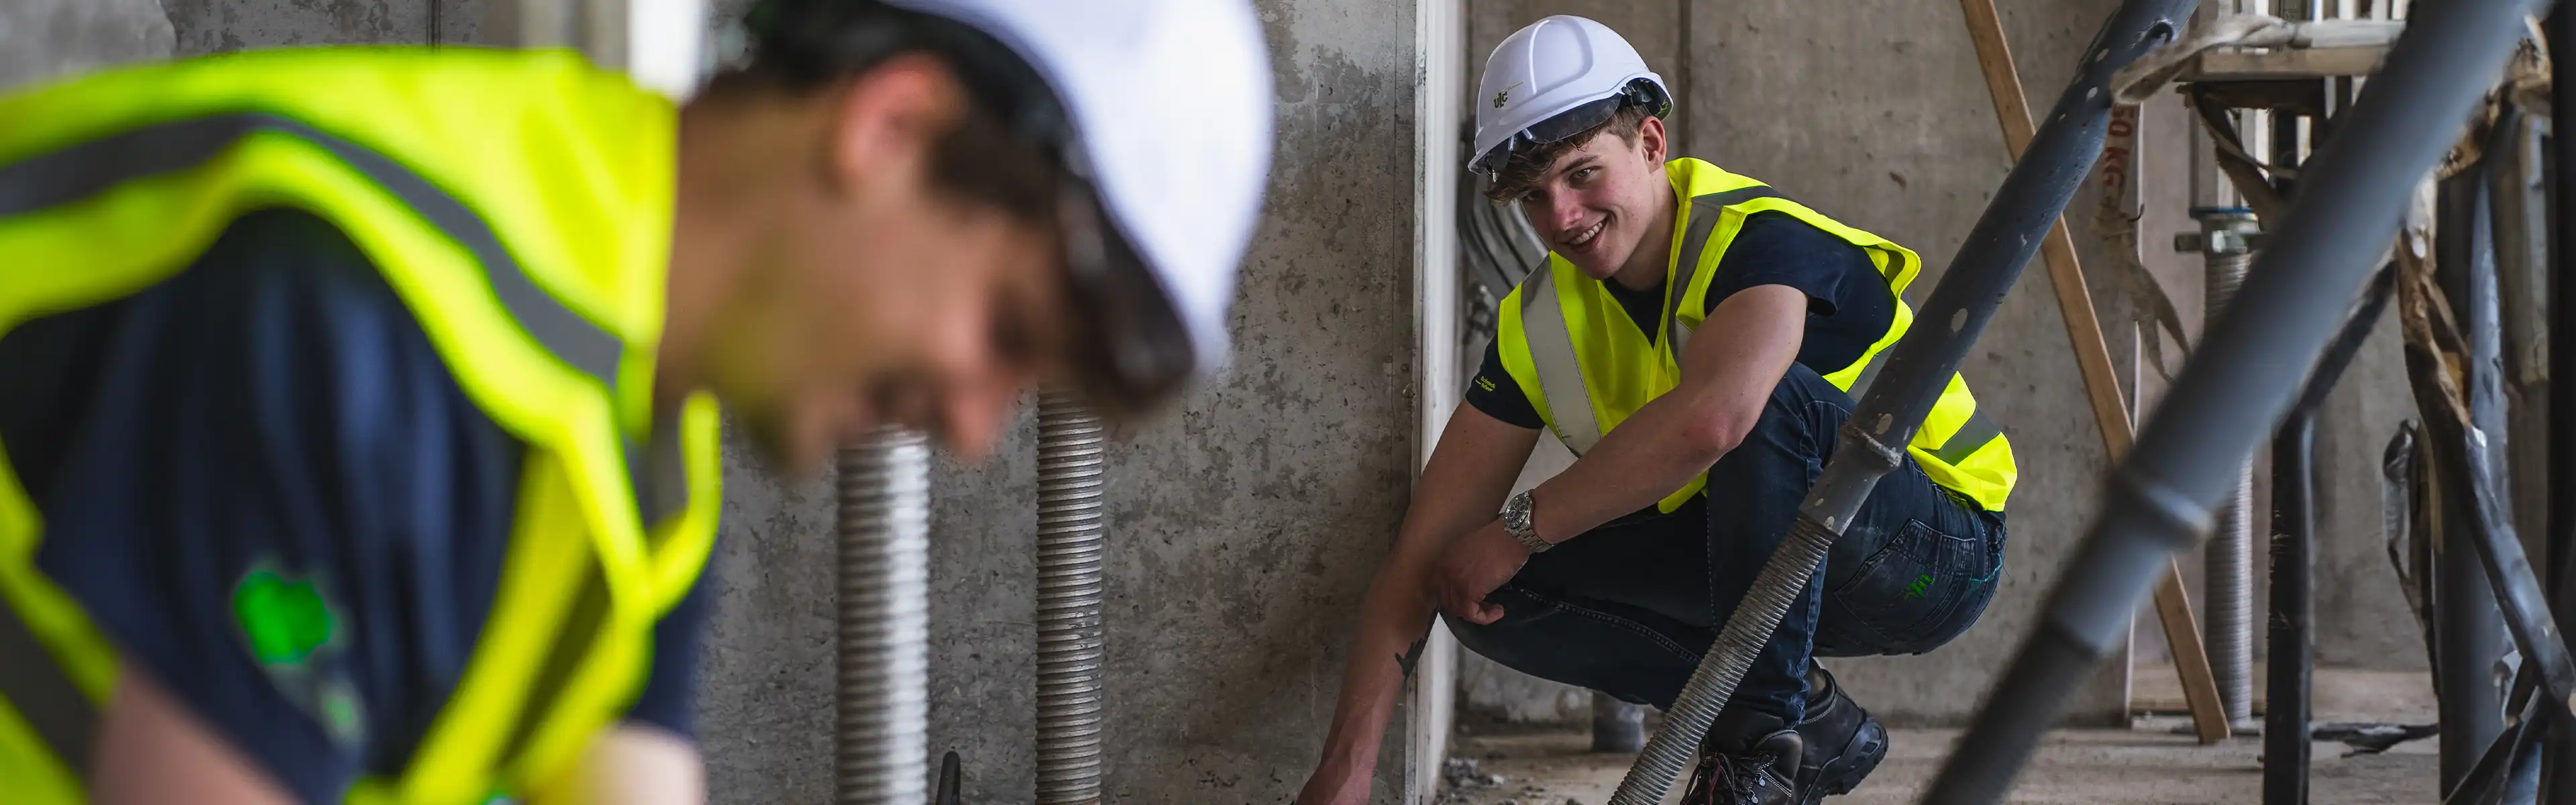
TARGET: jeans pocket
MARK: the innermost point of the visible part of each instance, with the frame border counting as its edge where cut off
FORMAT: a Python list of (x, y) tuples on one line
[(1905, 592)]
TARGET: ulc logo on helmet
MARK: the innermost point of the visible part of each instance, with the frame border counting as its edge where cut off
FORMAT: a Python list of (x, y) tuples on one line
[(1505, 96)]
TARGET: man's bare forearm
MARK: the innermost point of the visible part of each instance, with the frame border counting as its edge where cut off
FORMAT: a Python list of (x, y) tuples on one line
[(1470, 472), (1394, 627)]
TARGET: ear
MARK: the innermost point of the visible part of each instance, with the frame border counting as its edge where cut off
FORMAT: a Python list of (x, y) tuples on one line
[(886, 118), (1651, 140)]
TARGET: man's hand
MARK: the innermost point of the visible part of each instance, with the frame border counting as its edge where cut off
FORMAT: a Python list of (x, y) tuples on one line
[(1471, 567), (1333, 784)]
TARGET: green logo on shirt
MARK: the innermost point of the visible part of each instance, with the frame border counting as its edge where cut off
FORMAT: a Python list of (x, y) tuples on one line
[(289, 627), (284, 621)]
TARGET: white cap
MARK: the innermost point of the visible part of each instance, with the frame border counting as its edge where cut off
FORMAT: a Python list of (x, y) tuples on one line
[(1170, 102), (1552, 67)]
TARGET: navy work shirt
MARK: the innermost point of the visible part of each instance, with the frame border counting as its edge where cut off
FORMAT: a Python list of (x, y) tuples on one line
[(1848, 306), (272, 423)]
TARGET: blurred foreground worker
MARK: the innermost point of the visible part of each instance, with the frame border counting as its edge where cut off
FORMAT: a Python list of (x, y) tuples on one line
[(360, 405), (1696, 338)]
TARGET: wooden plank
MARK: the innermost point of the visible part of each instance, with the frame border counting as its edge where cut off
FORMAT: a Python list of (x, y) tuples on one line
[(2236, 65), (2093, 357)]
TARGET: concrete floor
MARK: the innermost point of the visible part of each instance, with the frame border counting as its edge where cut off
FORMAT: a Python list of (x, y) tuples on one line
[(1552, 765)]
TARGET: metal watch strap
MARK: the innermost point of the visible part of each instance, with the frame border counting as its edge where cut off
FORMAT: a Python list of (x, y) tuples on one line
[(1516, 521)]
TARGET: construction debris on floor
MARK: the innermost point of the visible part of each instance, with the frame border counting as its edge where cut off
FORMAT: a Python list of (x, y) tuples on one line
[(2370, 749), (1554, 765)]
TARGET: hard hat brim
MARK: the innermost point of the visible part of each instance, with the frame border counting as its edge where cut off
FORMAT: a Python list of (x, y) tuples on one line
[(1582, 118)]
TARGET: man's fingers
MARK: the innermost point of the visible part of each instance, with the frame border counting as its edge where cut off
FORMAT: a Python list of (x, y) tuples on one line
[(1452, 604), (1483, 614)]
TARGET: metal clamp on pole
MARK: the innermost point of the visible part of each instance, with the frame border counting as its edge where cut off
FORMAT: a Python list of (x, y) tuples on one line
[(1920, 366), (2225, 402)]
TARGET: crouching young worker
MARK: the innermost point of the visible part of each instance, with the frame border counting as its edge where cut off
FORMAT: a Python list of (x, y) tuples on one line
[(1696, 337)]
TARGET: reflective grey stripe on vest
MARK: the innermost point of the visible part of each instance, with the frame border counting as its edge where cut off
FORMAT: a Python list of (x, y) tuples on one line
[(80, 171), (1869, 373), (44, 695), (1704, 215), (1560, 374), (659, 471), (1972, 436), (92, 167)]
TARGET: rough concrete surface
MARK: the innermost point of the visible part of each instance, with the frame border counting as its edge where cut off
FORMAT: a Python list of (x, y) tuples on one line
[(765, 674), (2149, 762), (2095, 766), (214, 26), (44, 38)]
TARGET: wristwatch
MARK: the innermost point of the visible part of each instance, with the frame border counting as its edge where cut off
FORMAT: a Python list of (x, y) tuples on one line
[(1516, 519)]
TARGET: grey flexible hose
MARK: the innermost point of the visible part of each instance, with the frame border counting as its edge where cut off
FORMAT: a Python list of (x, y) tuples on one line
[(2228, 566), (882, 752), (1069, 603), (1781, 581)]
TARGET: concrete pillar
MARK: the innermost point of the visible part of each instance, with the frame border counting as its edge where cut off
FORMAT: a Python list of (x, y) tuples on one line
[(45, 38)]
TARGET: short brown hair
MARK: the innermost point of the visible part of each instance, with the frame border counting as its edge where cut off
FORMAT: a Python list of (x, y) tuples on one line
[(997, 155), (1527, 165)]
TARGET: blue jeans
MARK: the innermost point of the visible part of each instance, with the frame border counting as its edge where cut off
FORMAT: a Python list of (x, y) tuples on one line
[(1627, 608)]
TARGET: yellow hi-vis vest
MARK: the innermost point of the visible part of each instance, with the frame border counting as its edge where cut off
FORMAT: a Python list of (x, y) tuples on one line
[(520, 205), (1563, 338)]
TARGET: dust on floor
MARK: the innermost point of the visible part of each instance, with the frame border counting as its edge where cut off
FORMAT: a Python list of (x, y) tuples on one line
[(1526, 765)]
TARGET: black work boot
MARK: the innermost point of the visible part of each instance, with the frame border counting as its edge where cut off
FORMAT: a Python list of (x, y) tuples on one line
[(1843, 743), (1734, 770)]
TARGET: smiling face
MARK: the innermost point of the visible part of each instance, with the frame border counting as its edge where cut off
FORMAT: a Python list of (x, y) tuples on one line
[(1597, 200)]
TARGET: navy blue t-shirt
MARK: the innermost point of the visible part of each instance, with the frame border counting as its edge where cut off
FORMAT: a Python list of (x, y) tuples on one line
[(272, 422), (1848, 304)]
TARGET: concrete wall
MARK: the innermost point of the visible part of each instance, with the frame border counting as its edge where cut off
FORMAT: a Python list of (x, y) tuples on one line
[(212, 26), (45, 38)]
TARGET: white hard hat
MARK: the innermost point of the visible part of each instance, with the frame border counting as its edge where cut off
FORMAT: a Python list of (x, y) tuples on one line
[(1169, 107), (1558, 77)]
